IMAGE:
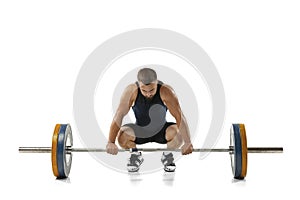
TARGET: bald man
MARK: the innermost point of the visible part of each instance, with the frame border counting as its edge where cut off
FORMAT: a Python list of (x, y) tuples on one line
[(149, 99)]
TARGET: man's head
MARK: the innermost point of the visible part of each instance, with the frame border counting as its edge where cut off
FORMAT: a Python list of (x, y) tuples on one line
[(147, 79)]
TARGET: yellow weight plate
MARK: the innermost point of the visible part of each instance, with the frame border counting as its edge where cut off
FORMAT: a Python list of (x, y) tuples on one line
[(54, 150), (244, 150)]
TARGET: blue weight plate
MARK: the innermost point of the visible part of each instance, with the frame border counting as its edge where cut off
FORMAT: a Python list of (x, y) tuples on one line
[(237, 171), (60, 155)]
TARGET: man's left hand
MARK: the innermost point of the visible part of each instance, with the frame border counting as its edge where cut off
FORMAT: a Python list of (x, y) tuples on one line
[(187, 148)]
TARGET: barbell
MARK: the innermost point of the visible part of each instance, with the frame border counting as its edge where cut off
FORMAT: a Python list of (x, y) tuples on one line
[(62, 149)]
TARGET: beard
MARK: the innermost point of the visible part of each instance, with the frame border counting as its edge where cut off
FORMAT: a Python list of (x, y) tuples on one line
[(149, 98)]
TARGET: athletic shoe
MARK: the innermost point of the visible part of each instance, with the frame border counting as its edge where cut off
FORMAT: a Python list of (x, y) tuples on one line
[(134, 162), (167, 160)]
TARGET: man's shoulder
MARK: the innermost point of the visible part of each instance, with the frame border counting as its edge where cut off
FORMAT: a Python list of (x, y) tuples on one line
[(166, 88), (166, 91), (131, 91), (131, 87)]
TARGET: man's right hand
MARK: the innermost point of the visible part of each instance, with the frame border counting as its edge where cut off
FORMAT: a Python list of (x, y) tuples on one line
[(112, 148)]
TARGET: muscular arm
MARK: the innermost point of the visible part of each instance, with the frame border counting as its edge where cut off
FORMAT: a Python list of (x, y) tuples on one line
[(170, 99), (126, 101)]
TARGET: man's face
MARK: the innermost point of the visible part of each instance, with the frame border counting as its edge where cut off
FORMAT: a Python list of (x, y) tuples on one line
[(148, 91)]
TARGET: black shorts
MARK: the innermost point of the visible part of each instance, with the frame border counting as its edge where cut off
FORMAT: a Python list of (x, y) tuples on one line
[(141, 134)]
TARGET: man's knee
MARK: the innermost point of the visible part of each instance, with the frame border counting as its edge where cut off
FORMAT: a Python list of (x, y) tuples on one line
[(173, 137), (124, 137), (172, 132)]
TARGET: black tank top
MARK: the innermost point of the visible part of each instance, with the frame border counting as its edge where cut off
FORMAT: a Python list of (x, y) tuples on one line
[(150, 113)]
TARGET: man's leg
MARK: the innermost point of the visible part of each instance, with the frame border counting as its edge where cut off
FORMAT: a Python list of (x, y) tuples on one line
[(126, 138), (173, 137), (174, 141)]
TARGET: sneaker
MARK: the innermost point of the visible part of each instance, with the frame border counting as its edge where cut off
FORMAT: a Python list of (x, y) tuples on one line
[(167, 160), (134, 162)]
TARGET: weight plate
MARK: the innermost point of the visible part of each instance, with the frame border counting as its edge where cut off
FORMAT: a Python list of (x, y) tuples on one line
[(244, 151), (61, 158), (54, 150), (238, 143)]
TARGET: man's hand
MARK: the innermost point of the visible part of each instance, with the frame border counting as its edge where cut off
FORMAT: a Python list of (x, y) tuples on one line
[(187, 148), (112, 148)]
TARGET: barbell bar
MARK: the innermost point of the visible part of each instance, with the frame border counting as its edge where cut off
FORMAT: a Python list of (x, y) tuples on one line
[(228, 150), (62, 149)]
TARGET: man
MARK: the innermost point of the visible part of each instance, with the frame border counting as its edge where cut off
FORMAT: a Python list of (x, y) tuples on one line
[(150, 99)]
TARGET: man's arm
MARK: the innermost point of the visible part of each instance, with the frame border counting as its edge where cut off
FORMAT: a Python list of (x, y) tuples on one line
[(126, 102), (170, 99)]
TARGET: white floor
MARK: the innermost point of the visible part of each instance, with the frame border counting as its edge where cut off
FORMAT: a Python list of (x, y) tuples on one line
[(268, 177)]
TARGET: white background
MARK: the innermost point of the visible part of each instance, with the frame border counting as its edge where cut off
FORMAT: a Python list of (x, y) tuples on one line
[(255, 46)]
